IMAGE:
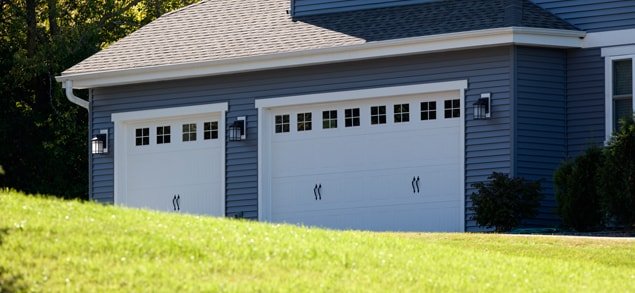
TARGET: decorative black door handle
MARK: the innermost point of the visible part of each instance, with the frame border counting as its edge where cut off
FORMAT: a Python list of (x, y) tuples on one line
[(178, 199), (417, 184), (315, 191), (413, 184), (173, 202), (320, 191)]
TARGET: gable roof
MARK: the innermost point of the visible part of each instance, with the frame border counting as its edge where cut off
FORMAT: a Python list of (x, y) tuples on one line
[(222, 30)]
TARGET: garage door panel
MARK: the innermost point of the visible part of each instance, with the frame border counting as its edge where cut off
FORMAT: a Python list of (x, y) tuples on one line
[(191, 167), (174, 156), (393, 176)]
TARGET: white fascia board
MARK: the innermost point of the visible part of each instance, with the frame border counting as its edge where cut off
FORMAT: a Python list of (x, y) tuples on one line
[(362, 94), (168, 112), (399, 47), (609, 38)]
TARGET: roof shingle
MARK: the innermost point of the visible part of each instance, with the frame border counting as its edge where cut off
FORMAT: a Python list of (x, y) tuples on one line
[(214, 30)]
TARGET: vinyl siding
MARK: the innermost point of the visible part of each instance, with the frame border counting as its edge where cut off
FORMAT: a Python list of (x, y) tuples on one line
[(309, 7), (593, 15), (488, 143), (540, 126), (585, 99)]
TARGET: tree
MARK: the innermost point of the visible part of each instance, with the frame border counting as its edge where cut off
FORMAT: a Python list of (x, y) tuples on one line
[(44, 137), (618, 175)]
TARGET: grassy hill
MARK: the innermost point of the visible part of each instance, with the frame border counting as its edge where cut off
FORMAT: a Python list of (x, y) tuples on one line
[(48, 244)]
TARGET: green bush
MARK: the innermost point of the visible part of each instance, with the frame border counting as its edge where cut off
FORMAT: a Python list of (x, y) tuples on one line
[(617, 184), (503, 202), (576, 192)]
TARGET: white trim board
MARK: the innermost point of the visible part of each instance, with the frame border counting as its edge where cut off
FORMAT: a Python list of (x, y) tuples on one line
[(609, 38), (362, 94), (264, 126), (123, 119), (398, 47)]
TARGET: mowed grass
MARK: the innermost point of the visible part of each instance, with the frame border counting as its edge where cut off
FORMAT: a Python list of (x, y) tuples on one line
[(53, 245)]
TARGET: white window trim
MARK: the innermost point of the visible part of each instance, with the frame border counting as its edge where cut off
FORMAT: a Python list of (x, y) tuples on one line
[(610, 55), (123, 119), (265, 124)]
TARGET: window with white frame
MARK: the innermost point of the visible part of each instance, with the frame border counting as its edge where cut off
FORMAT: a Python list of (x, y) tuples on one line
[(282, 123), (304, 121), (189, 132), (622, 90)]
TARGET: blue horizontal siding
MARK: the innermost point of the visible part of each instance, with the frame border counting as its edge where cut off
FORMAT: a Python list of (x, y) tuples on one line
[(593, 15), (310, 7), (488, 142), (540, 125), (585, 100)]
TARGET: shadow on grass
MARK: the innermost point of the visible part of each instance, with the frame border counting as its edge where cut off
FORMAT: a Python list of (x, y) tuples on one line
[(9, 282)]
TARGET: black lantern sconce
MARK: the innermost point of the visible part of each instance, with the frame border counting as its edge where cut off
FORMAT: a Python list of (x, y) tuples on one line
[(99, 142), (483, 107), (238, 129)]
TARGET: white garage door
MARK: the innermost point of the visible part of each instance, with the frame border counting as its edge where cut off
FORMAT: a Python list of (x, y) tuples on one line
[(173, 164), (390, 163)]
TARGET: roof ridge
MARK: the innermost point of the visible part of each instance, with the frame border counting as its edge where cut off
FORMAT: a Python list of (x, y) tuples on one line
[(182, 8)]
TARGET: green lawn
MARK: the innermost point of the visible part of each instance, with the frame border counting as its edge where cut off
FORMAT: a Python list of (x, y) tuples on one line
[(53, 245)]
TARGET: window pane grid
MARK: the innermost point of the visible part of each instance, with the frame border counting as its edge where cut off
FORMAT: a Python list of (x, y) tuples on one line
[(210, 130), (428, 110), (329, 119), (402, 113), (377, 115), (452, 108), (189, 132), (282, 123), (351, 117), (304, 121), (142, 136), (163, 134)]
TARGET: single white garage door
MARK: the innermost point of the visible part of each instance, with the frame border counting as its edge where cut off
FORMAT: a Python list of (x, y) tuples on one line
[(173, 164), (382, 164)]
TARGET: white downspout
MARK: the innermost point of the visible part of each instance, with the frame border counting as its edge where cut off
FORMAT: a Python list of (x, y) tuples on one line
[(68, 85)]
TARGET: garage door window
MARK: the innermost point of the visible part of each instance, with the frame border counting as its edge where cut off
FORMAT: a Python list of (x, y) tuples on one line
[(282, 123), (163, 134), (377, 115), (329, 119), (402, 113), (142, 136), (304, 121), (210, 130), (351, 117), (189, 132), (428, 110), (452, 108)]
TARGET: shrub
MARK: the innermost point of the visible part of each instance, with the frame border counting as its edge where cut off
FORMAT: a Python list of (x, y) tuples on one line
[(576, 192), (617, 185), (503, 202)]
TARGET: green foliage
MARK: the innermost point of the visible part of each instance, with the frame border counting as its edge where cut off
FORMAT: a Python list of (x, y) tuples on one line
[(44, 137), (617, 185), (62, 246), (503, 202), (576, 192)]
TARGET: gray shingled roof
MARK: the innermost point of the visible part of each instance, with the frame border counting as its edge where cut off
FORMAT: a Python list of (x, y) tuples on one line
[(214, 30)]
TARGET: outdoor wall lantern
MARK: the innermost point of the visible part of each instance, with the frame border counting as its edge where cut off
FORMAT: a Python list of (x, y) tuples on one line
[(483, 107), (99, 143), (237, 131)]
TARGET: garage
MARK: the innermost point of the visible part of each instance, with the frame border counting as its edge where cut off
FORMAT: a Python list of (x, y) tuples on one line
[(171, 159), (376, 161)]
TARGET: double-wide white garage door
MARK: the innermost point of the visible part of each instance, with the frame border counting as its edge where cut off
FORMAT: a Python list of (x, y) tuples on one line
[(171, 162), (391, 163)]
